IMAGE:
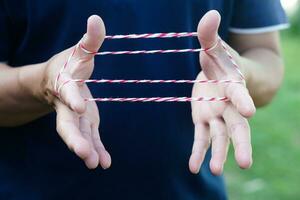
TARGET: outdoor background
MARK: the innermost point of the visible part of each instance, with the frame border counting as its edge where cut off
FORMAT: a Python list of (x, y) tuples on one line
[(275, 133)]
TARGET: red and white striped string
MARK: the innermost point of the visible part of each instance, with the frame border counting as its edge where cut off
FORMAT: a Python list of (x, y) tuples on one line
[(141, 51), (160, 99), (153, 35), (58, 88), (122, 81)]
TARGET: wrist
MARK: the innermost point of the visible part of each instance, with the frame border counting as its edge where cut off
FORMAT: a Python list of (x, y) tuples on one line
[(31, 81)]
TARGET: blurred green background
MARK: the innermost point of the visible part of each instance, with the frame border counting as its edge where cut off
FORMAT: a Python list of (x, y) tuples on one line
[(275, 133)]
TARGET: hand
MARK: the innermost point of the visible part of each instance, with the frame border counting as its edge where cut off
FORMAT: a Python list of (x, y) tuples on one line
[(218, 122), (78, 121)]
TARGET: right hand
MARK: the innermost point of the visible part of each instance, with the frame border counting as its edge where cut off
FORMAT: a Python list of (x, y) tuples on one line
[(219, 122), (78, 121)]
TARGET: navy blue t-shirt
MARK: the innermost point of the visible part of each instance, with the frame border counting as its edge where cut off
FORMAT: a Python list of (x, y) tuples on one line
[(150, 143)]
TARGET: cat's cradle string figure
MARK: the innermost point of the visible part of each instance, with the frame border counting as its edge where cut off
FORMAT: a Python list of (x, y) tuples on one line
[(80, 46)]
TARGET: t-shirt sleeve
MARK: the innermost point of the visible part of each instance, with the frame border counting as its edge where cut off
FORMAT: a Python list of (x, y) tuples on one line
[(5, 34), (258, 16)]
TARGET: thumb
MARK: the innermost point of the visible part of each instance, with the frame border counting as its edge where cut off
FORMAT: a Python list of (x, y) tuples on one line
[(69, 91), (91, 41), (208, 29), (95, 34)]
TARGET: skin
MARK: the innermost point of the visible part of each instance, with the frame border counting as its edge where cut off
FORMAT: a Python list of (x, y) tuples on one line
[(27, 93), (216, 124)]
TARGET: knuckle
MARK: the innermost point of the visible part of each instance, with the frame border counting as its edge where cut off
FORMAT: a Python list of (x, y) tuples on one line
[(59, 128), (199, 114), (69, 144), (237, 126), (85, 131), (97, 120), (231, 90), (217, 129), (222, 136), (202, 142)]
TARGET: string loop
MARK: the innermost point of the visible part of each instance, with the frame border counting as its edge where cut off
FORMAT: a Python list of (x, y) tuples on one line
[(58, 88)]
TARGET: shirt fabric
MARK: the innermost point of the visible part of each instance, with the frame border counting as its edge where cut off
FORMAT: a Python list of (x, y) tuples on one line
[(150, 143)]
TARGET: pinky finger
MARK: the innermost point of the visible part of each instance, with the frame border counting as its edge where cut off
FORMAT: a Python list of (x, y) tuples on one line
[(200, 147)]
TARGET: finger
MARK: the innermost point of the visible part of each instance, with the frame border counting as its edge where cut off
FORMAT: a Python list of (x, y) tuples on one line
[(104, 157), (220, 143), (208, 38), (239, 131), (241, 99), (67, 127), (95, 34), (200, 147), (85, 128), (70, 94), (208, 29)]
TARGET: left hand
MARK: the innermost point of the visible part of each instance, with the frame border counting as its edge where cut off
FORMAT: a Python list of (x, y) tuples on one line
[(77, 121), (218, 122)]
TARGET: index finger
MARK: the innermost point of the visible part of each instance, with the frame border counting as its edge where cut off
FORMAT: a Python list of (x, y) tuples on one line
[(68, 130)]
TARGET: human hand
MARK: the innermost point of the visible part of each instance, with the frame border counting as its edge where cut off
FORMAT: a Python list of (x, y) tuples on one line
[(216, 123), (77, 121)]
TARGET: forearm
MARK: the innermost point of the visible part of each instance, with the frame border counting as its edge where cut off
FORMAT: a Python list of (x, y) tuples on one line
[(264, 72), (20, 91), (261, 63)]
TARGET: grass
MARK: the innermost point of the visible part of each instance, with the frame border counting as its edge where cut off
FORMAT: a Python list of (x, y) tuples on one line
[(276, 141)]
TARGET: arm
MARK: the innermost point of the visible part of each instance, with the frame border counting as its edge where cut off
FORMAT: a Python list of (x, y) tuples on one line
[(262, 64), (21, 95), (27, 93)]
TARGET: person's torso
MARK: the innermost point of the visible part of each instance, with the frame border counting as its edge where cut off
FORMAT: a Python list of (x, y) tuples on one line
[(150, 143)]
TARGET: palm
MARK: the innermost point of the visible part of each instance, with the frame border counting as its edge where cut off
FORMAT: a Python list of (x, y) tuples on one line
[(216, 66), (207, 110)]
